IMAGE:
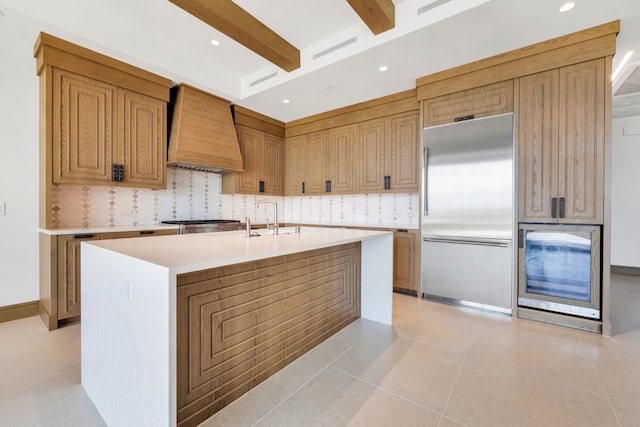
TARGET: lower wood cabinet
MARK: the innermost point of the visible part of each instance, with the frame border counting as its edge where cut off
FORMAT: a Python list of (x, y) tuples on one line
[(60, 273), (406, 261)]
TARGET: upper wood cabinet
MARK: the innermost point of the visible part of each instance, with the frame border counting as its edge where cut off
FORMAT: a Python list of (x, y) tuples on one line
[(295, 164), (342, 162), (262, 156), (561, 138), (478, 102), (97, 125), (316, 172), (321, 162), (389, 154)]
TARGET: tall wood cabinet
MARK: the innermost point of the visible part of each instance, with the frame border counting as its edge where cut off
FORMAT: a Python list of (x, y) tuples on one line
[(102, 121), (561, 134)]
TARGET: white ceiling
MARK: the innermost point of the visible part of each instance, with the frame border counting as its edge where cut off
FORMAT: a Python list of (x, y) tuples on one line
[(158, 36)]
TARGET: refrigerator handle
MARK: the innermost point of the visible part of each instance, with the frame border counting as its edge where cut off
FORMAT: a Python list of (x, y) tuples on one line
[(425, 194)]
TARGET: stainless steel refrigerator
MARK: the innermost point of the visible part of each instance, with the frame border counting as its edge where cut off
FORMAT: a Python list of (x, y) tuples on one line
[(468, 209)]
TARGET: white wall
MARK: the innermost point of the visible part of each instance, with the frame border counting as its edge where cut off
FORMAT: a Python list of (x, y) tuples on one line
[(18, 162), (625, 193), (188, 195)]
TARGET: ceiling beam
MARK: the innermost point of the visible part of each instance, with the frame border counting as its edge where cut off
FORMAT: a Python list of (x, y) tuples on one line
[(235, 22), (379, 15)]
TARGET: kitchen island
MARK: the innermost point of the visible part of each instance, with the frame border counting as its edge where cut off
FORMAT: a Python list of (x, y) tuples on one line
[(176, 327)]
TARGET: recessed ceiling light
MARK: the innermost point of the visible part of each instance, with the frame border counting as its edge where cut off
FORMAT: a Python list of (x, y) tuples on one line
[(286, 101), (215, 42), (621, 65), (566, 7), (383, 68)]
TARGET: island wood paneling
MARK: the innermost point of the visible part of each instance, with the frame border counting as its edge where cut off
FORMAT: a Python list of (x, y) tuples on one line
[(239, 324)]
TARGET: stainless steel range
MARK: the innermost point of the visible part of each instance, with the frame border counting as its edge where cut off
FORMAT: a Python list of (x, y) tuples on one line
[(206, 225)]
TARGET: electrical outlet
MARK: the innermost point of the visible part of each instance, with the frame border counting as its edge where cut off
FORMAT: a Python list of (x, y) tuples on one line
[(3, 208)]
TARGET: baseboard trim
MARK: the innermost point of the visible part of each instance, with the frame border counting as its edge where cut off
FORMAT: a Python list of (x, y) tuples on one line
[(620, 269), (18, 311)]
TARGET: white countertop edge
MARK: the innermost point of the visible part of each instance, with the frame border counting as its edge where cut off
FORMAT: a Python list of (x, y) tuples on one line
[(107, 229), (291, 243)]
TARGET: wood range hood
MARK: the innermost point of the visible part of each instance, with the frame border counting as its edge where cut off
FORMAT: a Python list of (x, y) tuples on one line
[(203, 135)]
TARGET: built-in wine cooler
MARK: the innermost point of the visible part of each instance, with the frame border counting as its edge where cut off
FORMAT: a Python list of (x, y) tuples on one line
[(559, 269)]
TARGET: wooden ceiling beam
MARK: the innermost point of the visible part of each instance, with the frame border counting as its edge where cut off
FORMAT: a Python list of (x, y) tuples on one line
[(235, 22), (379, 15)]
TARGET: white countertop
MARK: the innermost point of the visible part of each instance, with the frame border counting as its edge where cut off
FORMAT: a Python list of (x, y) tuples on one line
[(192, 252), (108, 229)]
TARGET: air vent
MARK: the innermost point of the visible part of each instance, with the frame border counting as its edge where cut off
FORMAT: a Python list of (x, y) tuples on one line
[(631, 84), (335, 47), (263, 79), (432, 5)]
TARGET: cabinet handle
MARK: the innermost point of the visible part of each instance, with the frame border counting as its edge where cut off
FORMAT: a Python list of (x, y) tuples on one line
[(521, 238), (327, 186), (561, 209), (303, 188), (83, 236), (554, 206), (401, 230), (147, 232), (463, 118), (261, 187), (117, 173)]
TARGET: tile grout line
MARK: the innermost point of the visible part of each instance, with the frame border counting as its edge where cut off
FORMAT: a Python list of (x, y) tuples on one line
[(290, 395), (604, 390), (384, 389), (308, 381), (455, 381)]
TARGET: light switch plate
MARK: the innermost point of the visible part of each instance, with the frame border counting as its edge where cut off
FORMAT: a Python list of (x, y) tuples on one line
[(3, 208)]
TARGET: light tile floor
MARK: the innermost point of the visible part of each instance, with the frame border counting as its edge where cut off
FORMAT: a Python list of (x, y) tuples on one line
[(438, 365)]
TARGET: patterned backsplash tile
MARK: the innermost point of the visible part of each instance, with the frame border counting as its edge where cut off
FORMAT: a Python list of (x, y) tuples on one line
[(198, 195)]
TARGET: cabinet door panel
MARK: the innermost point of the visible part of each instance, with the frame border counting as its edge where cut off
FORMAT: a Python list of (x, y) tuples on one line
[(371, 147), (69, 274), (404, 153), (84, 124), (342, 159), (143, 132), (294, 165), (483, 101), (581, 142), (250, 141), (537, 145), (316, 164), (406, 268), (272, 169)]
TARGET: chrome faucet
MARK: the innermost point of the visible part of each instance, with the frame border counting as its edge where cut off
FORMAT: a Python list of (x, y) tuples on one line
[(275, 213)]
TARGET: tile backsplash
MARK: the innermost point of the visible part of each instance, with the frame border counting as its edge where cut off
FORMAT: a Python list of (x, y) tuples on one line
[(198, 195)]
